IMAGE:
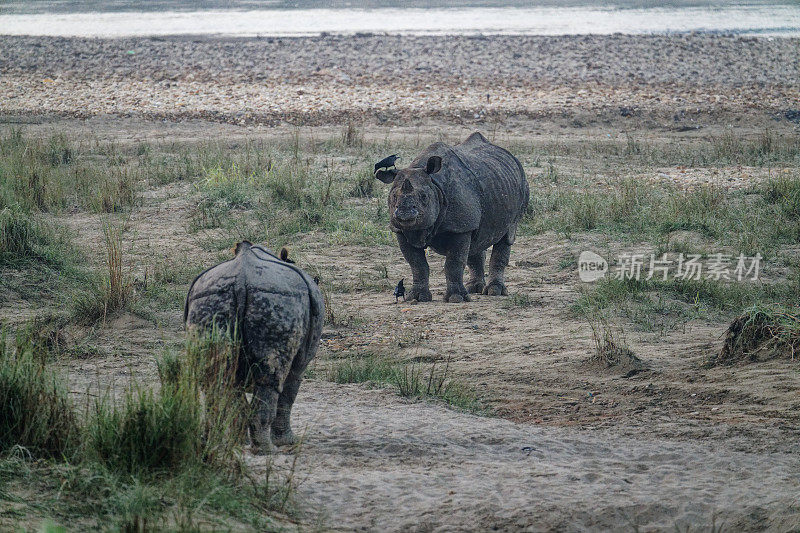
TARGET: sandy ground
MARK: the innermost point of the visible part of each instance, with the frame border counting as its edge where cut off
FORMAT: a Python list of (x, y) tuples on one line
[(373, 462)]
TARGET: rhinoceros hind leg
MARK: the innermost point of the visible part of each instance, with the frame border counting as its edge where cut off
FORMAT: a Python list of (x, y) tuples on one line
[(282, 434), (265, 404), (497, 267), (477, 280)]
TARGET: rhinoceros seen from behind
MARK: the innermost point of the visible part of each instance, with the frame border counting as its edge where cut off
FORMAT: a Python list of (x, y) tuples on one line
[(277, 311), (458, 200)]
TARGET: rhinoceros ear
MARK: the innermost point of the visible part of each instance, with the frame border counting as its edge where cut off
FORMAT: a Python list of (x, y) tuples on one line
[(434, 164), (386, 176)]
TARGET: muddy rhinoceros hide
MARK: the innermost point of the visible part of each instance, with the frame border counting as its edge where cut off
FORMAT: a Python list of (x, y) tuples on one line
[(277, 311)]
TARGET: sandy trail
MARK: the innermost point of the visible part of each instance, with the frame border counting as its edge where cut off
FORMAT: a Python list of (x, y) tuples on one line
[(373, 461)]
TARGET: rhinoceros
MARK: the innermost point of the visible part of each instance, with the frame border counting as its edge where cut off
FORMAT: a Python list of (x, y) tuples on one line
[(277, 312), (458, 200)]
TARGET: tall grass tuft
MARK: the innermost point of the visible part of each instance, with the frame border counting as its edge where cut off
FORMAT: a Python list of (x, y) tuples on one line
[(176, 428), (148, 432), (25, 240), (35, 410), (113, 291)]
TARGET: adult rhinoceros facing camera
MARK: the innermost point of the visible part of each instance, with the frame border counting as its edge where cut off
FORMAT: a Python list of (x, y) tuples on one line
[(277, 310), (458, 200)]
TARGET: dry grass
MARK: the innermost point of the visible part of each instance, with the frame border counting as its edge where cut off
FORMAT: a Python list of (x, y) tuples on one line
[(761, 333)]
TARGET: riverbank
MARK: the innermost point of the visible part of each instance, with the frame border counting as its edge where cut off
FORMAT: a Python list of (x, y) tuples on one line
[(379, 78)]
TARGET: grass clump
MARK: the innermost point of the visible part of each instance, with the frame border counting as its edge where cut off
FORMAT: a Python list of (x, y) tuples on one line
[(27, 241), (35, 410), (364, 368), (760, 333), (175, 428), (112, 291), (148, 432), (414, 381)]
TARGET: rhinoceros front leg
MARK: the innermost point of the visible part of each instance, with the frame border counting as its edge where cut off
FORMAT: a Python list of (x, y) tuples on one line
[(477, 281), (497, 267), (420, 270), (454, 264)]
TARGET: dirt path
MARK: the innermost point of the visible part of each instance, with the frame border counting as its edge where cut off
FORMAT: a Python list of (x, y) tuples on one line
[(373, 461)]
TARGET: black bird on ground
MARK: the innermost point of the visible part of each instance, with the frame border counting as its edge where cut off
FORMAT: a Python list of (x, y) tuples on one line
[(386, 162), (399, 291)]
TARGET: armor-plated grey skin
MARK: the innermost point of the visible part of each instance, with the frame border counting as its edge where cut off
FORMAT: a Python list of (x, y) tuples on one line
[(459, 200), (278, 311)]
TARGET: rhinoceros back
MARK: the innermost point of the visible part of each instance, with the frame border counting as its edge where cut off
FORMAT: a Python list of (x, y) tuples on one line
[(477, 174), (498, 174)]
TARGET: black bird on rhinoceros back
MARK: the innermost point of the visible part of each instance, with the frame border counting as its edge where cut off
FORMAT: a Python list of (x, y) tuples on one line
[(458, 200), (285, 256), (386, 162), (399, 291)]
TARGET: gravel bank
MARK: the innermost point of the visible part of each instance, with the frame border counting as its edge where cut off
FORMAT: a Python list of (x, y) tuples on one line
[(510, 60), (319, 79)]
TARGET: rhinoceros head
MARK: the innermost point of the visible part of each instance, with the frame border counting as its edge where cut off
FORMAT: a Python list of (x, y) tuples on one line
[(414, 200)]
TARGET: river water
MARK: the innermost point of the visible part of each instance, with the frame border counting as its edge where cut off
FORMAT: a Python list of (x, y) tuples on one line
[(120, 19)]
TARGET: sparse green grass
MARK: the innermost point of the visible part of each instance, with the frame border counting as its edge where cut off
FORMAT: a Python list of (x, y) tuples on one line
[(633, 210), (289, 198), (361, 368), (520, 299), (661, 306), (765, 148), (55, 174), (411, 380)]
